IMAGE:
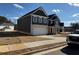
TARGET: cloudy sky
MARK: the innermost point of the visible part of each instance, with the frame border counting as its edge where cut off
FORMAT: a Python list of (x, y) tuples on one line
[(67, 12)]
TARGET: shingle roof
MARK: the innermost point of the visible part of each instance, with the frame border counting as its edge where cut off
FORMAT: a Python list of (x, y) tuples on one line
[(61, 24), (52, 16), (34, 11)]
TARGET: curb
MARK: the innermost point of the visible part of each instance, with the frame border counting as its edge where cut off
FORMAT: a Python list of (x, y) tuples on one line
[(49, 46), (29, 51)]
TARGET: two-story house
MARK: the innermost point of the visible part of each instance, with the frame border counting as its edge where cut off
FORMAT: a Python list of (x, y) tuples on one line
[(34, 22), (54, 24), (37, 22)]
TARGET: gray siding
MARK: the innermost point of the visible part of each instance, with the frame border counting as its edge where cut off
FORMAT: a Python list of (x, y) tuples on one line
[(24, 24)]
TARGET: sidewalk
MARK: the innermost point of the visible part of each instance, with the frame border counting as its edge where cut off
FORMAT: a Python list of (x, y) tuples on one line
[(5, 49)]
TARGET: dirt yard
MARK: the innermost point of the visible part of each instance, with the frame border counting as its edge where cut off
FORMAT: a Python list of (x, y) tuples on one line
[(19, 39), (16, 37), (62, 34), (17, 43)]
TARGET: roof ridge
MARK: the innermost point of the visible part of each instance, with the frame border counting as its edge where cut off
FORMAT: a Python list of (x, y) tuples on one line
[(33, 11)]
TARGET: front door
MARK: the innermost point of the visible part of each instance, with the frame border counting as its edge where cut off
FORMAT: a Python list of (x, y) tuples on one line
[(51, 30)]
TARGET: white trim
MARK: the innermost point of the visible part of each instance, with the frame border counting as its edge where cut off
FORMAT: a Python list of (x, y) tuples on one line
[(45, 20), (40, 25), (34, 19), (38, 16), (31, 25), (40, 20)]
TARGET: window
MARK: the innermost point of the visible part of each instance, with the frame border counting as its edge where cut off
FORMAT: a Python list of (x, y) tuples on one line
[(56, 21), (34, 18), (51, 22), (45, 20), (40, 19)]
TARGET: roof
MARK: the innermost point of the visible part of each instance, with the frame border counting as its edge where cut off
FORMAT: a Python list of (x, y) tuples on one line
[(61, 24), (4, 27), (4, 24), (1, 27), (39, 8), (52, 16)]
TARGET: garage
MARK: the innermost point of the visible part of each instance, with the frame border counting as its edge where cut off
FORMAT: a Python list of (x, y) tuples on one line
[(39, 29)]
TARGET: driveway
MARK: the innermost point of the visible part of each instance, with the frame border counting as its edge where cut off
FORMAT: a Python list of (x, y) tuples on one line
[(54, 37)]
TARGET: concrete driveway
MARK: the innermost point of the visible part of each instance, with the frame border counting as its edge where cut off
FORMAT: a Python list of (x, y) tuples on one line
[(54, 37)]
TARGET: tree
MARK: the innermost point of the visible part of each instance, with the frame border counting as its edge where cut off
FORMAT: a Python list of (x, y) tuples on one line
[(3, 19), (75, 26)]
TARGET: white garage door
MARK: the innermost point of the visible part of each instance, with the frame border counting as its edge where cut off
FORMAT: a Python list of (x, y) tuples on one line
[(39, 29)]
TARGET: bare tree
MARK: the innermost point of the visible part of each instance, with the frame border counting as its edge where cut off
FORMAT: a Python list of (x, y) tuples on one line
[(75, 26)]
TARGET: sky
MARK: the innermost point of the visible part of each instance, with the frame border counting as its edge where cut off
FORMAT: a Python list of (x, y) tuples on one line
[(67, 12)]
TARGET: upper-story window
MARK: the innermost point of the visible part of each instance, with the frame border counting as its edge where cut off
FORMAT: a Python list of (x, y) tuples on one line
[(51, 22), (34, 18), (40, 19), (45, 20), (57, 23)]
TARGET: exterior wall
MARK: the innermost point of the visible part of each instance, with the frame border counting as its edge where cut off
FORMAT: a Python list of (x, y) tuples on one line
[(62, 28), (38, 25), (50, 30), (54, 30), (55, 26), (24, 24)]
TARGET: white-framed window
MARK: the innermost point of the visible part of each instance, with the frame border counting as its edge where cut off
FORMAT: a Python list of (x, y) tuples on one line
[(40, 19), (34, 18), (51, 22), (45, 20)]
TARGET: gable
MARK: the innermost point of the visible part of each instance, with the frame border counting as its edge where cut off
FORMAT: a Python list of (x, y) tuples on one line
[(54, 17), (40, 12)]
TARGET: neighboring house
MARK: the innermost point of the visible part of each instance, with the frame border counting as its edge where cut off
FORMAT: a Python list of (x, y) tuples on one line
[(55, 26), (34, 23), (37, 22), (7, 27)]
